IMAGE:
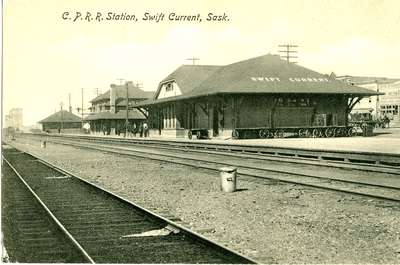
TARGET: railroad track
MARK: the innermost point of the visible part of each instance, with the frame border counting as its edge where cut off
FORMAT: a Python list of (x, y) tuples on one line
[(28, 232), (257, 171), (103, 227), (366, 161)]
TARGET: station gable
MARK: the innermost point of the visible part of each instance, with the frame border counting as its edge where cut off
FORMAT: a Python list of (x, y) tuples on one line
[(169, 89)]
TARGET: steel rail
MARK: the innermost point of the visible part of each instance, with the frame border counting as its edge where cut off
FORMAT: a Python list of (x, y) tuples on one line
[(260, 168), (147, 211), (285, 159), (59, 224), (367, 161), (277, 158), (146, 155)]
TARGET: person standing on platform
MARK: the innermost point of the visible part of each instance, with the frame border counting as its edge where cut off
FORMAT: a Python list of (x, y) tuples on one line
[(141, 129), (386, 120), (134, 129), (128, 129), (145, 129), (117, 129)]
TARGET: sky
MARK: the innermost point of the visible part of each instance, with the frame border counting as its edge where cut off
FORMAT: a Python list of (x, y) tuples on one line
[(46, 57)]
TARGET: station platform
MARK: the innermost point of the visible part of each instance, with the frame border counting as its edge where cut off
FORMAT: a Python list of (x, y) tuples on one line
[(356, 144), (386, 141)]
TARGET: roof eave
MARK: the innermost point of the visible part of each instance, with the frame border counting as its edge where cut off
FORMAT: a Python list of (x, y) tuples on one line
[(183, 97)]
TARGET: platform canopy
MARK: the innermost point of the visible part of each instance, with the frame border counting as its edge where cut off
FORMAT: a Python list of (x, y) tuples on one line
[(61, 116), (267, 74)]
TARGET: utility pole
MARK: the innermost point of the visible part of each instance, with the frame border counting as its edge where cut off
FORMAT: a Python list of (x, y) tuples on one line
[(69, 102), (62, 117), (120, 80), (288, 52), (82, 107), (138, 85), (378, 113), (193, 60), (127, 110)]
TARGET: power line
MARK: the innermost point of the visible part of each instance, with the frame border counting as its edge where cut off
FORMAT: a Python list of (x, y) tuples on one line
[(288, 52)]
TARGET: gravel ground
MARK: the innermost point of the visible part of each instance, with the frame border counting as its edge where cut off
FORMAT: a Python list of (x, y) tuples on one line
[(270, 223)]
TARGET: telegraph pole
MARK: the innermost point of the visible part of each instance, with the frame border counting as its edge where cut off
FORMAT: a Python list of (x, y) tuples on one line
[(378, 112), (69, 102), (138, 85), (193, 60), (288, 52), (127, 110), (82, 107), (62, 117)]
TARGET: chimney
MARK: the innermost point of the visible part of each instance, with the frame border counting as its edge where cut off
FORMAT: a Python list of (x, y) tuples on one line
[(113, 93)]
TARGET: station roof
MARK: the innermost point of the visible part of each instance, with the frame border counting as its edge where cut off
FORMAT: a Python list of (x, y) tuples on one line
[(120, 115), (133, 93), (267, 74), (361, 80), (61, 116)]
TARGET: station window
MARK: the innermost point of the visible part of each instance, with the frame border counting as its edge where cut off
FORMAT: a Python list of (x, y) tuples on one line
[(392, 109), (291, 102), (280, 102), (304, 102), (169, 87)]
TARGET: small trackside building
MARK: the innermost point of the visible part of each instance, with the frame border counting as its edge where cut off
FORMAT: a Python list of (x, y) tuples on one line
[(62, 121), (259, 97)]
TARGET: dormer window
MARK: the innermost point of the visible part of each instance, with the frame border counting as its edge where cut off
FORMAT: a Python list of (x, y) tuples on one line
[(168, 87)]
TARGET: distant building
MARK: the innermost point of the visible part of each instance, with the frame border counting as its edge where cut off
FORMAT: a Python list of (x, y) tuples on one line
[(381, 105), (108, 110), (14, 119), (62, 121)]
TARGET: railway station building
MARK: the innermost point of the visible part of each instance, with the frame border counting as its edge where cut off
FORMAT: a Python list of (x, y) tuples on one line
[(108, 112), (62, 122), (262, 97)]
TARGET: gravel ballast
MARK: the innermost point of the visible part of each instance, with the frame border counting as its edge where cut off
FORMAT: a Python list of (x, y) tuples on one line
[(274, 223)]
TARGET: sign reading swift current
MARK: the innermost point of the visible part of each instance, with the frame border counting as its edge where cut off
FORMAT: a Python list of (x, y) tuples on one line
[(291, 79)]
